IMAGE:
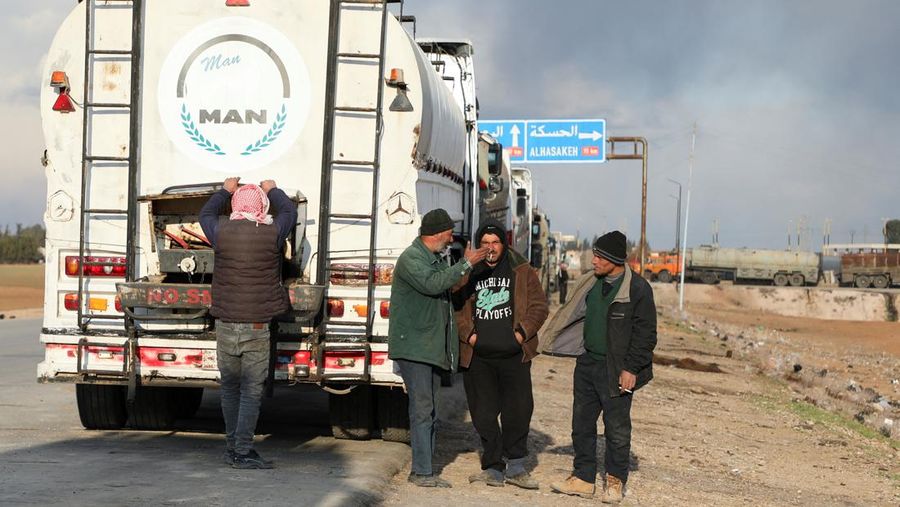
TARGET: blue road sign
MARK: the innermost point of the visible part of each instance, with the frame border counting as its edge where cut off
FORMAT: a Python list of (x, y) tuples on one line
[(550, 141), (509, 133)]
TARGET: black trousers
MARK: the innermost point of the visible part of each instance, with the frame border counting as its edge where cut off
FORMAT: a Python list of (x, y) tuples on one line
[(592, 398), (563, 290), (500, 388)]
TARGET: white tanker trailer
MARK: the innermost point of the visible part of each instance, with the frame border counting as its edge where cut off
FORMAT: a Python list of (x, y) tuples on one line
[(148, 106)]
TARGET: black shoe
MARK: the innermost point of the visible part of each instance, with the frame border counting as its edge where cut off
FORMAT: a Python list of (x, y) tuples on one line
[(229, 456), (251, 460), (428, 481)]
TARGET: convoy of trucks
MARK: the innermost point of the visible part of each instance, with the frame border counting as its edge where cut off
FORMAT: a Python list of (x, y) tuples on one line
[(152, 103)]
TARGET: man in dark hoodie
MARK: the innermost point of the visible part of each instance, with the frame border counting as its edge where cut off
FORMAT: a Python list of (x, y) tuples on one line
[(500, 307)]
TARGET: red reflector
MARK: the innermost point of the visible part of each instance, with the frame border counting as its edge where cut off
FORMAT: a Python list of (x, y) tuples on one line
[(385, 309), (237, 3), (64, 103), (119, 304), (482, 184), (71, 301), (335, 308)]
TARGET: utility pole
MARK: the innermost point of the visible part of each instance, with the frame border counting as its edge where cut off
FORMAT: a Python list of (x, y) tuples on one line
[(677, 216), (687, 215), (826, 232), (715, 232)]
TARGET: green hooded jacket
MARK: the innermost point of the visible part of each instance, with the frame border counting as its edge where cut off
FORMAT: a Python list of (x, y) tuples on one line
[(422, 327)]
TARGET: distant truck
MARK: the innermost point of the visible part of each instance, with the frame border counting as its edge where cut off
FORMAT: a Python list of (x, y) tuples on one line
[(660, 266), (872, 269), (709, 264)]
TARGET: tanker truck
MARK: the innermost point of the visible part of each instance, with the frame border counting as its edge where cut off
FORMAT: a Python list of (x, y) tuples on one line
[(148, 105), (710, 264)]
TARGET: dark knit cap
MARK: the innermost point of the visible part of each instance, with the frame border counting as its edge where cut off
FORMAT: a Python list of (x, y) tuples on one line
[(436, 221), (611, 246)]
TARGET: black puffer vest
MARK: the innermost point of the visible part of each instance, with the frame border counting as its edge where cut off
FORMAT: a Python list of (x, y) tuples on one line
[(247, 275)]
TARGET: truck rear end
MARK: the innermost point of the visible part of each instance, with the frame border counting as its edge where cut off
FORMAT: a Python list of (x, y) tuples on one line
[(333, 100)]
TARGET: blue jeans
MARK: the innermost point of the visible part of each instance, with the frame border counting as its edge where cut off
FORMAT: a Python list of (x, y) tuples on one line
[(422, 384), (591, 398), (242, 352)]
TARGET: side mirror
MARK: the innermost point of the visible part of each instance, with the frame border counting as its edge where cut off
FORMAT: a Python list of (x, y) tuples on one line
[(495, 159)]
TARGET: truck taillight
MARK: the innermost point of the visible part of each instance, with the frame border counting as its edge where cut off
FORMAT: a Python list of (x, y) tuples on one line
[(119, 307), (60, 81), (70, 302), (95, 266), (358, 275), (237, 3), (385, 309), (335, 308)]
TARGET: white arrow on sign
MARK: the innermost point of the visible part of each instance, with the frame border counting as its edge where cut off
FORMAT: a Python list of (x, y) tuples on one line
[(515, 135), (590, 135)]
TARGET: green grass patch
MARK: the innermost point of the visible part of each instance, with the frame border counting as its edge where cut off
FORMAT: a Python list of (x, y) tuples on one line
[(22, 275), (817, 415)]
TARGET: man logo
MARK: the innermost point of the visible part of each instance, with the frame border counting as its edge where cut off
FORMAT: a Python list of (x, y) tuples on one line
[(234, 94)]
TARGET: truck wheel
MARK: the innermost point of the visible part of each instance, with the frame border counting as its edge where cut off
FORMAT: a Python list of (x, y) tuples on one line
[(664, 276), (797, 280), (880, 281), (780, 279), (352, 414), (862, 281), (154, 408), (101, 407), (393, 414), (187, 401), (708, 277)]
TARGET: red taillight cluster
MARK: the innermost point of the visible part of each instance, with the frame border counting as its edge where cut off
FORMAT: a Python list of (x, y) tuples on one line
[(60, 81), (70, 302), (95, 266), (385, 309), (358, 274), (335, 308)]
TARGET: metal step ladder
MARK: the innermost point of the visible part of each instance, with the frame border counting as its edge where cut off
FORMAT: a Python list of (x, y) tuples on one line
[(89, 160), (331, 164)]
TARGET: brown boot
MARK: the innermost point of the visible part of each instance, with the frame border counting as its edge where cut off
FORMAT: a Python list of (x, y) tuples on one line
[(614, 491), (574, 486)]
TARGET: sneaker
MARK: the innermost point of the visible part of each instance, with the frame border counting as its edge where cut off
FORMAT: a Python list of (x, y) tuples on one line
[(574, 486), (428, 481), (229, 456), (251, 460), (614, 491), (491, 477), (523, 480)]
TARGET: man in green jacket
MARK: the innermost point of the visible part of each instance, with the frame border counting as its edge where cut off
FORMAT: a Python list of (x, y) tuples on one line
[(422, 337)]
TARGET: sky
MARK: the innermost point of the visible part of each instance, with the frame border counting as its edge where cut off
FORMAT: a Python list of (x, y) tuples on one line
[(794, 104)]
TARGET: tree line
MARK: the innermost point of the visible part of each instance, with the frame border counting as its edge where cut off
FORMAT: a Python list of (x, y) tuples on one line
[(24, 246)]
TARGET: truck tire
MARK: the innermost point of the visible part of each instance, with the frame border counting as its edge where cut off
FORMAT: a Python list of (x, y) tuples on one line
[(880, 281), (187, 401), (708, 277), (862, 281), (797, 280), (101, 407), (393, 414), (664, 276), (780, 279), (352, 414), (154, 408)]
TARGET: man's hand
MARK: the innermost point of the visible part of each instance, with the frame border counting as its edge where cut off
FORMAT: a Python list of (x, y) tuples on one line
[(627, 380), (473, 339), (475, 256), (267, 185), (520, 338), (231, 184)]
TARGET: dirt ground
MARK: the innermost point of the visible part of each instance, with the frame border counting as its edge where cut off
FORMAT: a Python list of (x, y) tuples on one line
[(21, 289), (757, 434)]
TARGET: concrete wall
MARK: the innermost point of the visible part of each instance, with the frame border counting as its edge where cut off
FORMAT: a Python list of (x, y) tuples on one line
[(817, 303)]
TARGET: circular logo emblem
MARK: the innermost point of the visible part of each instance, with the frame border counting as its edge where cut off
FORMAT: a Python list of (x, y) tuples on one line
[(234, 94)]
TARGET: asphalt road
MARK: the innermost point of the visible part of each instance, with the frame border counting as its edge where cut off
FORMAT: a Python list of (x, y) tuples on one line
[(46, 457)]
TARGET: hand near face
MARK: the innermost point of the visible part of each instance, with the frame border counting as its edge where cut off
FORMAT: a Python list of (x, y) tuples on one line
[(231, 184), (267, 185), (475, 256)]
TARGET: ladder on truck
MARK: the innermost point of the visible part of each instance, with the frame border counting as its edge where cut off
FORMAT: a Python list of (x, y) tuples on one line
[(89, 160), (358, 340)]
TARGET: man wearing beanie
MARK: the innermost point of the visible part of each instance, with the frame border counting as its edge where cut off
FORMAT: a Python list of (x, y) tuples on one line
[(610, 325), (501, 307), (246, 294), (422, 338)]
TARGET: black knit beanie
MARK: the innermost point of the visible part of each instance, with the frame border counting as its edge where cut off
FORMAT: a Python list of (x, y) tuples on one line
[(611, 246), (435, 221)]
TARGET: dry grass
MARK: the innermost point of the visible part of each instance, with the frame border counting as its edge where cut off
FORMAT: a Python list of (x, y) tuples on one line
[(21, 286)]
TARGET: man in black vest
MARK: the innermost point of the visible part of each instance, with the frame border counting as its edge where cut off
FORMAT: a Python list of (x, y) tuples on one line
[(246, 294)]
